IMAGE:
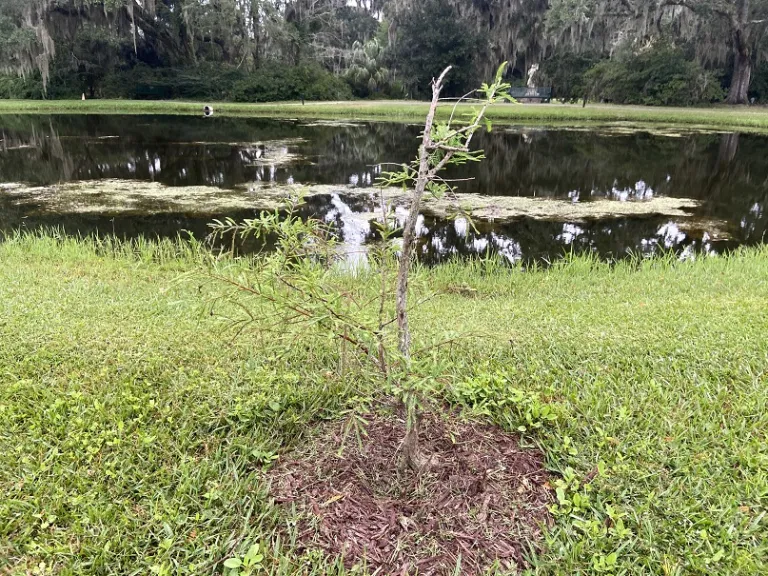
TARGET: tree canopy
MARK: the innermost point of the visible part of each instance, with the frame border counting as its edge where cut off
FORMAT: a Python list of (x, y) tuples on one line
[(378, 48)]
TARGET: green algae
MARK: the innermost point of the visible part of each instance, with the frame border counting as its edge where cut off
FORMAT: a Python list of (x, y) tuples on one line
[(124, 196)]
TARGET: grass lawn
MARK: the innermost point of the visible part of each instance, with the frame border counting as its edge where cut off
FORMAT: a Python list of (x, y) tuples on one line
[(720, 117), (134, 432)]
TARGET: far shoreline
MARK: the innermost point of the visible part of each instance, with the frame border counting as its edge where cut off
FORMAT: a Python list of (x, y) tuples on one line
[(721, 117)]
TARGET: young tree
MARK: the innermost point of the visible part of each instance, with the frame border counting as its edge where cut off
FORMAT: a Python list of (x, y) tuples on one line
[(298, 284), (442, 145)]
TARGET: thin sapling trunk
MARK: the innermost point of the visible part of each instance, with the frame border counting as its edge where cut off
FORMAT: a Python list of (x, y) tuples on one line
[(442, 145)]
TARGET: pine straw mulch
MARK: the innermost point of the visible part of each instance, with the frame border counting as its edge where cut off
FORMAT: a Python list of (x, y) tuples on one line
[(482, 501)]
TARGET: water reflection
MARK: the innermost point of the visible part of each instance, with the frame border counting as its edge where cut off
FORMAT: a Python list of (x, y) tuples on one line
[(727, 173), (354, 228), (520, 241)]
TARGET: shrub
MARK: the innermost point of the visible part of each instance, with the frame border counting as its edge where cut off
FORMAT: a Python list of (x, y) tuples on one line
[(656, 76), (274, 82), (759, 87), (565, 73), (199, 83), (16, 88)]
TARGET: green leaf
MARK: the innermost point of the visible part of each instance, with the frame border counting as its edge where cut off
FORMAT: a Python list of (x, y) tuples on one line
[(500, 72), (253, 554), (253, 550), (233, 563)]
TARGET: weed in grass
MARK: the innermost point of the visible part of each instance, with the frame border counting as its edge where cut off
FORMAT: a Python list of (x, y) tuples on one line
[(249, 564)]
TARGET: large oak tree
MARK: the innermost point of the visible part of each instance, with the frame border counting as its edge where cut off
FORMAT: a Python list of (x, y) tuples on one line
[(723, 31)]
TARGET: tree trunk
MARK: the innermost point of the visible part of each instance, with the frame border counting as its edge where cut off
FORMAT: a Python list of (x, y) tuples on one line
[(412, 457), (742, 61), (409, 230), (742, 76)]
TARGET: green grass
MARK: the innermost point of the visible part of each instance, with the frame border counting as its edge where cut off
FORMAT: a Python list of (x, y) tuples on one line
[(720, 117), (133, 431)]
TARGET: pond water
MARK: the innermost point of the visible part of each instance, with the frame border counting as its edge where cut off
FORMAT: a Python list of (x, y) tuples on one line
[(723, 179)]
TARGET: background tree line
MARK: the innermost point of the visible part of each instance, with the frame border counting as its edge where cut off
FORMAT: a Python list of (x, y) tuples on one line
[(676, 52)]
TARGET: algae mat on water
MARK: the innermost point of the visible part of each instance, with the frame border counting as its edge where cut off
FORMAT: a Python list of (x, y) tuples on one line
[(134, 197)]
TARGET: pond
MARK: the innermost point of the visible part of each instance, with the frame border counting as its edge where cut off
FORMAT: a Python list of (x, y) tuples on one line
[(540, 192)]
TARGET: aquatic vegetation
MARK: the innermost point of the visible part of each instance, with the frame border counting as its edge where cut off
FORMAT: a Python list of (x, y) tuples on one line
[(128, 196)]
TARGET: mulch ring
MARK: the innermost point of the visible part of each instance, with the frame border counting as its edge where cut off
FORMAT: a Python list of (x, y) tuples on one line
[(481, 502)]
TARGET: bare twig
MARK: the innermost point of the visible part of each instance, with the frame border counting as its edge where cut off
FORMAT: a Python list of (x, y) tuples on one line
[(410, 227), (383, 294)]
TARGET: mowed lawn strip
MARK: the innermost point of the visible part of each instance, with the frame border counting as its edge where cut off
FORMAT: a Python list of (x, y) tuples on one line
[(726, 118)]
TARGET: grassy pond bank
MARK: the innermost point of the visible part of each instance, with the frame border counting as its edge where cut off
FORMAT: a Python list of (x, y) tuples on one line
[(137, 433)]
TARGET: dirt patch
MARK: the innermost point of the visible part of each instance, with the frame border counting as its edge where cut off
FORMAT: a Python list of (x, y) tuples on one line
[(482, 503)]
